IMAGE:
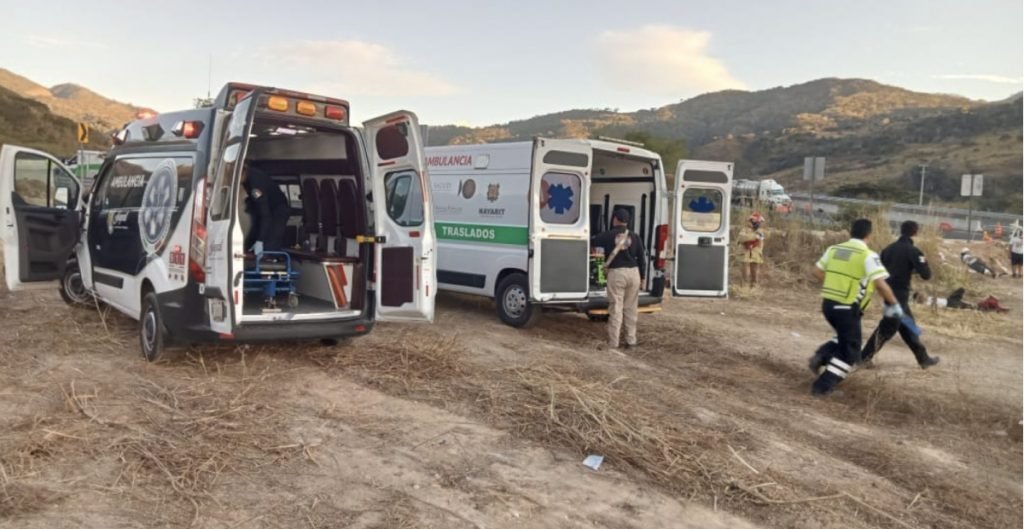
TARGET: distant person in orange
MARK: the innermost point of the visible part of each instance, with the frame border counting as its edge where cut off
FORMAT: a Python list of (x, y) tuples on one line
[(751, 237)]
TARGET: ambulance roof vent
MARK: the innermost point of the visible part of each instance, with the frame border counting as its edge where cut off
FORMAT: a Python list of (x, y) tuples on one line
[(622, 141)]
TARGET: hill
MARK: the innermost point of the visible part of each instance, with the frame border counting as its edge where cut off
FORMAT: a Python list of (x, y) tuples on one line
[(874, 135), (72, 101), (30, 123)]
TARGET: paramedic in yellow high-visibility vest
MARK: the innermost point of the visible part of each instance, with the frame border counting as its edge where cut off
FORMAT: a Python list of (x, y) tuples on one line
[(850, 272)]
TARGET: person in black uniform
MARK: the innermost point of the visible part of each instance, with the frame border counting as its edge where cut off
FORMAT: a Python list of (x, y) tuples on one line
[(624, 267), (902, 259), (269, 208)]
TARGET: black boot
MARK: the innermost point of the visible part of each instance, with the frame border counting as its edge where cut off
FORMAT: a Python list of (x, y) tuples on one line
[(822, 356), (929, 362)]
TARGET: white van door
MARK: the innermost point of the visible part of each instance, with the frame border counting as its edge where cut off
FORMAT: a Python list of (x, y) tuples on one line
[(559, 220), (405, 249), (39, 202), (225, 255), (700, 226)]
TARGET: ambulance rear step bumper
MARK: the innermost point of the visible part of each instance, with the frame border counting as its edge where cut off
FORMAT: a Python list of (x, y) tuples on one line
[(599, 305)]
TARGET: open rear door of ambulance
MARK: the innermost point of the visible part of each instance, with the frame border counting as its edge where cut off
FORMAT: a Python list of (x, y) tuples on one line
[(225, 255), (39, 205), (559, 267), (405, 249), (700, 227)]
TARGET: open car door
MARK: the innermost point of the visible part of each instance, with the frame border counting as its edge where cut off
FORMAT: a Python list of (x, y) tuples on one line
[(39, 204), (405, 249), (559, 267), (225, 255), (700, 227)]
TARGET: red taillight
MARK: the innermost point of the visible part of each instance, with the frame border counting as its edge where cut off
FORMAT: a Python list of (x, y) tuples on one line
[(333, 112), (192, 129), (360, 328), (188, 129), (196, 271), (660, 242)]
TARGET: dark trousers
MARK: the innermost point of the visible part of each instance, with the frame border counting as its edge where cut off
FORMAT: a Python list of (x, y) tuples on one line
[(274, 232), (843, 351), (888, 328)]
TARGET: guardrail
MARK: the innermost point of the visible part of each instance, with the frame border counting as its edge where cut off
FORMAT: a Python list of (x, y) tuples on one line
[(931, 211)]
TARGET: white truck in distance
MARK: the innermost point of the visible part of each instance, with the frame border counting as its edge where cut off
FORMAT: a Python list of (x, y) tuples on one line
[(514, 222), (768, 191)]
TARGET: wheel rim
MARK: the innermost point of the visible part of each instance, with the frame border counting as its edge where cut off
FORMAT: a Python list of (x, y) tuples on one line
[(74, 287), (149, 332), (515, 301)]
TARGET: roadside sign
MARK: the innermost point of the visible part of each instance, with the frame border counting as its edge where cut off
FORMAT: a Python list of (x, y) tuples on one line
[(83, 133), (814, 166), (971, 185)]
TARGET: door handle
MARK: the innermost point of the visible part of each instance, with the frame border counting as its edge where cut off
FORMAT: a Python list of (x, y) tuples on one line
[(704, 242)]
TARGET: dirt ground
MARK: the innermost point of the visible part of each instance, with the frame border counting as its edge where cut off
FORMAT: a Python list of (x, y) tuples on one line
[(471, 424)]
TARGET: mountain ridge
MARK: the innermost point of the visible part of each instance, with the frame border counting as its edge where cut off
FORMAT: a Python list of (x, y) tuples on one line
[(72, 101)]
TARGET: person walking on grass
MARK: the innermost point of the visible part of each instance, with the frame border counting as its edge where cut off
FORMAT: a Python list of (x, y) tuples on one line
[(850, 273), (902, 259), (751, 237), (624, 268), (1016, 251)]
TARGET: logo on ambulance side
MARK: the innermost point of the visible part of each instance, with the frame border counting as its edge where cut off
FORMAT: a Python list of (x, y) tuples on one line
[(493, 191), (467, 188)]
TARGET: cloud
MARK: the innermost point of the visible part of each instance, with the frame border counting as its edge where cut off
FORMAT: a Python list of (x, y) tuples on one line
[(48, 41), (999, 79), (357, 68), (661, 60)]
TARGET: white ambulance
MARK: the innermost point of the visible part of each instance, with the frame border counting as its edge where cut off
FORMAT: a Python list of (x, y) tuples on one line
[(160, 235), (514, 222)]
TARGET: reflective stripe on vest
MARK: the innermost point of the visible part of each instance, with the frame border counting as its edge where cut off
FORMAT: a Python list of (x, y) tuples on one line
[(845, 275)]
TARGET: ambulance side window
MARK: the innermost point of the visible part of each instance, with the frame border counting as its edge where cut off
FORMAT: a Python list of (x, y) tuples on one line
[(30, 179), (39, 182), (404, 198), (701, 209), (235, 138), (560, 198)]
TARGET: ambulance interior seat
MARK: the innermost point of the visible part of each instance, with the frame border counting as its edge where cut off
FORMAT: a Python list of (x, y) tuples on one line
[(328, 216), (350, 225), (310, 230)]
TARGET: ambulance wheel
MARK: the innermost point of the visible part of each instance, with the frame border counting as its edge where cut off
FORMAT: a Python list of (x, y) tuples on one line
[(72, 290), (151, 329), (293, 300), (597, 317), (513, 302)]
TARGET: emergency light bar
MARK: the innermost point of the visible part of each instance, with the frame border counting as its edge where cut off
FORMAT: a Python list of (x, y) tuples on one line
[(303, 107)]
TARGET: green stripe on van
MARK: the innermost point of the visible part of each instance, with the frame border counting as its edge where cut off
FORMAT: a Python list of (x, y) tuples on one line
[(489, 233)]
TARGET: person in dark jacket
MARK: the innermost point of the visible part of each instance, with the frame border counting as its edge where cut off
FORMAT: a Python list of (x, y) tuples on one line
[(902, 259), (269, 208), (625, 266)]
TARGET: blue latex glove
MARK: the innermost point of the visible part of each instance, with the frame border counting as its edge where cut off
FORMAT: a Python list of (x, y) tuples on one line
[(893, 311), (257, 248)]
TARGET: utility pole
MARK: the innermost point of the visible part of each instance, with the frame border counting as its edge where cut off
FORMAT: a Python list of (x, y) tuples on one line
[(920, 196)]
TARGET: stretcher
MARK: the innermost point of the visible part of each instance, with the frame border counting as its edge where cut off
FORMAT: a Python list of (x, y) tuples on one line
[(272, 275)]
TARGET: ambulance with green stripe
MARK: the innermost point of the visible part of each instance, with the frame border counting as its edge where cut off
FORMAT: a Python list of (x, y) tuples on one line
[(514, 222)]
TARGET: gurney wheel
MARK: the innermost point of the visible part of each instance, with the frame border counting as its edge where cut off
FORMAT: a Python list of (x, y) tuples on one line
[(293, 300)]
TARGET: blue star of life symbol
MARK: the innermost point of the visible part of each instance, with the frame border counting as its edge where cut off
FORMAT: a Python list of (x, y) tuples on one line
[(560, 198), (702, 205)]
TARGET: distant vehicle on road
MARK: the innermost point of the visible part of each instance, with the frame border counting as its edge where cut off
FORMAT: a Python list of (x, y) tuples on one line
[(768, 191)]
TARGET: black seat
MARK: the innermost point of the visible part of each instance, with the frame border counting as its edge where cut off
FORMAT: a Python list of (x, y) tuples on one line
[(350, 219), (310, 212), (328, 216)]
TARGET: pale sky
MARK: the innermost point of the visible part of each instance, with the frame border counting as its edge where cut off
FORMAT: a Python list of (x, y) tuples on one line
[(465, 62)]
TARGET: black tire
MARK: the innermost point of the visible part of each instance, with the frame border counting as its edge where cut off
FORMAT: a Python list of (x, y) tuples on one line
[(72, 290), (512, 301), (597, 317), (152, 337)]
